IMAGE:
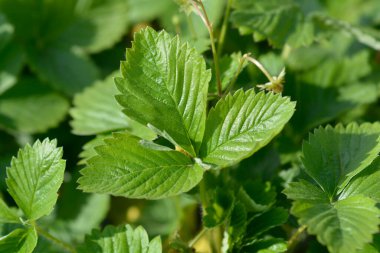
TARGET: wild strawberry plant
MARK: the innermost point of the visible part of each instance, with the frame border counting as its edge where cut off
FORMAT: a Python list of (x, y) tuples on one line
[(208, 139)]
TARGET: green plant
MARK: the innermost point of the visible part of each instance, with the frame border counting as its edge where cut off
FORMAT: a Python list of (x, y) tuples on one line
[(198, 137)]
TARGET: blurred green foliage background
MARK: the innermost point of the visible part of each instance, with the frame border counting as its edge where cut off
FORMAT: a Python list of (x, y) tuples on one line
[(58, 59)]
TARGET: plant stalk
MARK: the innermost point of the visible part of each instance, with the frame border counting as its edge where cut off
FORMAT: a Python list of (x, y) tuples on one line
[(54, 239), (197, 237), (203, 15), (294, 238), (261, 67), (223, 30)]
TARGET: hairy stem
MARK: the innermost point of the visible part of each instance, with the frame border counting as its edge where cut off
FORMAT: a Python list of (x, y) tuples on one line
[(197, 237), (203, 15), (223, 30), (260, 66), (293, 240), (54, 239)]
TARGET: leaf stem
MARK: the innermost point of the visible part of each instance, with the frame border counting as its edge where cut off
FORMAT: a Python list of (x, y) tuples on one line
[(203, 15), (197, 237), (294, 238), (223, 30), (261, 67), (54, 239)]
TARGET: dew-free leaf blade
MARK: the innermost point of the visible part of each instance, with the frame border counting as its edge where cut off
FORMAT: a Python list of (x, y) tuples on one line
[(165, 84), (7, 214), (343, 226), (99, 25), (35, 176), (31, 107), (365, 183), (332, 156), (241, 124), (125, 167), (19, 241), (123, 239)]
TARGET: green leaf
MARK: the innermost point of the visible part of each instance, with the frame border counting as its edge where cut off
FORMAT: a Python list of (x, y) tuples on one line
[(365, 183), (146, 10), (123, 239), (362, 35), (19, 241), (241, 124), (267, 245), (220, 209), (99, 25), (6, 31), (333, 156), (265, 221), (31, 107), (165, 84), (343, 226), (35, 176), (125, 167), (279, 21), (11, 62), (66, 69), (238, 223), (257, 196), (7, 214), (96, 110)]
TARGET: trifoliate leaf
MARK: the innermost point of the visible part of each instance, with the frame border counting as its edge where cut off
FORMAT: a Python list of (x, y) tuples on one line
[(343, 225), (365, 183), (165, 84), (96, 110), (19, 241), (35, 176), (7, 214), (126, 168), (333, 156), (123, 239), (66, 69), (31, 107), (241, 124)]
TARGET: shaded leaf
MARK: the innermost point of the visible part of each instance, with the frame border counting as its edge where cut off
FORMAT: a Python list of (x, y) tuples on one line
[(220, 208), (98, 26), (96, 110), (31, 107), (332, 156), (68, 70), (365, 183), (343, 226)]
